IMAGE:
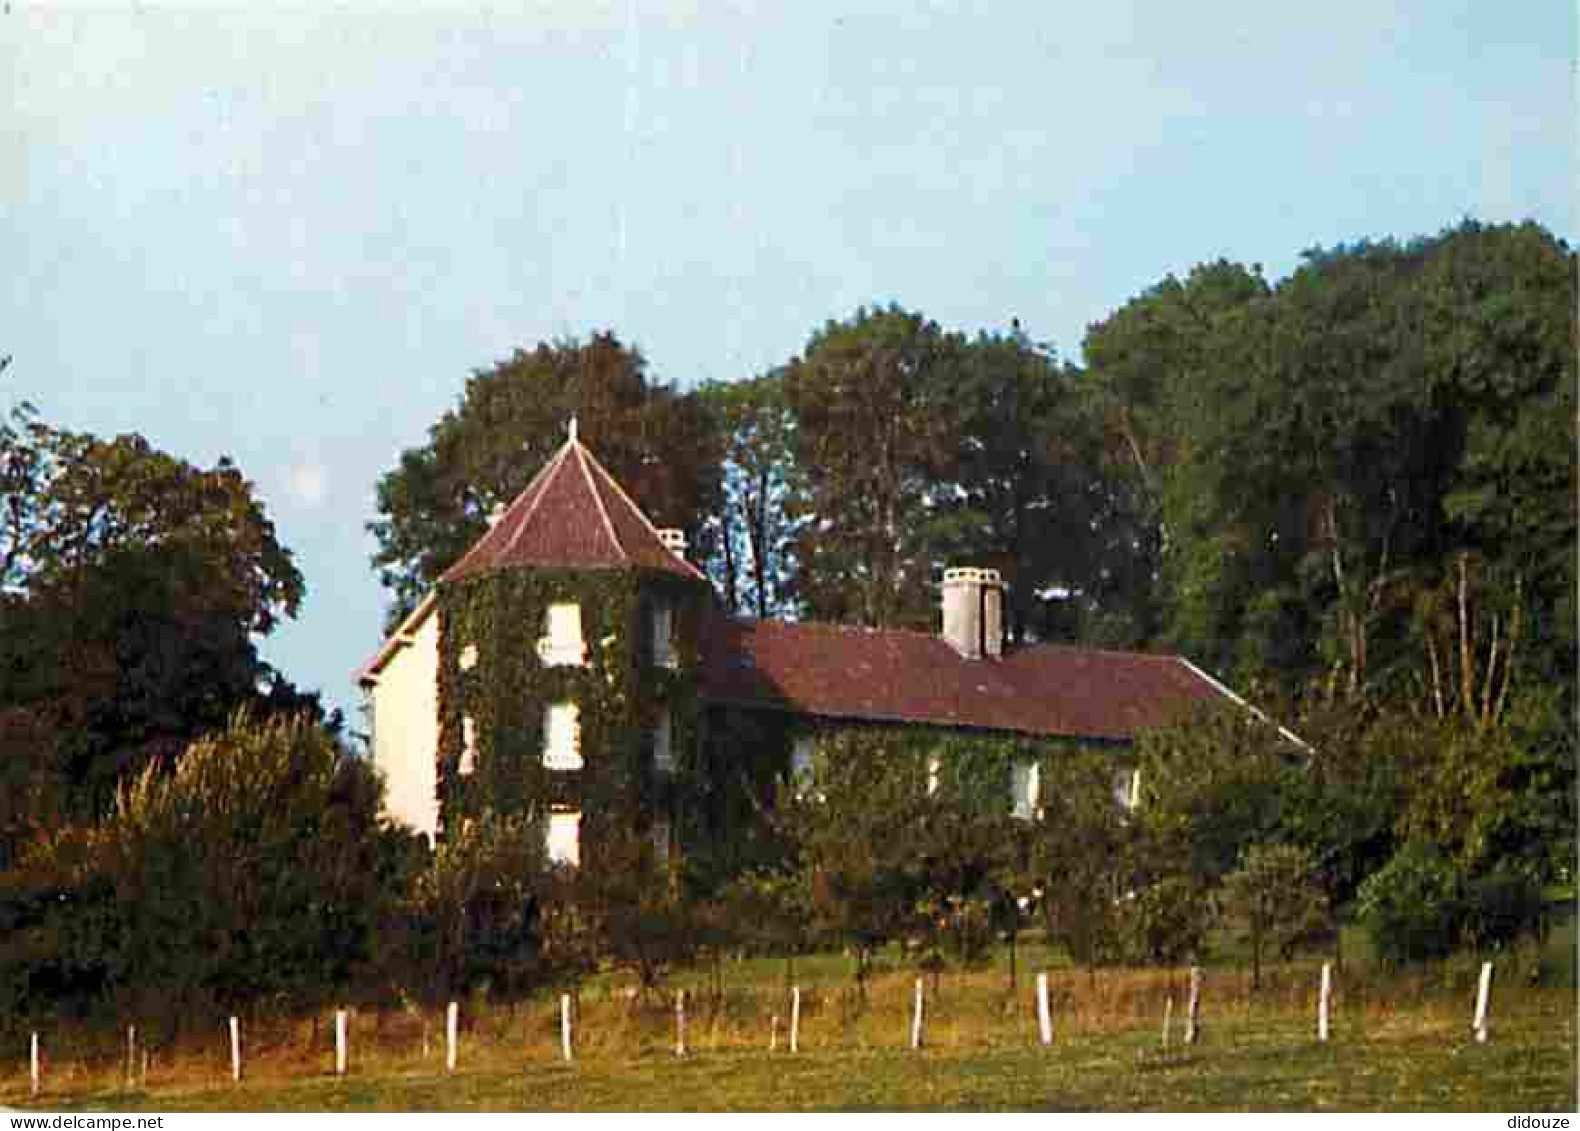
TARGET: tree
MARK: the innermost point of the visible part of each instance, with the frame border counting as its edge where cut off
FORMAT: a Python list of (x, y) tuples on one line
[(1275, 898), (469, 917), (132, 585), (851, 823), (875, 418), (1079, 853), (1020, 491), (509, 422), (256, 868), (753, 532), (1211, 786)]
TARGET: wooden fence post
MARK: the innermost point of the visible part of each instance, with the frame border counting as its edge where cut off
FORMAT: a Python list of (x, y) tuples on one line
[(1044, 1014), (1483, 993), (1193, 1009), (131, 1056), (1323, 997), (773, 1033), (680, 1022), (33, 1067), (1168, 1019), (340, 1042), (235, 1050), (452, 1015), (565, 1027), (916, 1017), (795, 1018)]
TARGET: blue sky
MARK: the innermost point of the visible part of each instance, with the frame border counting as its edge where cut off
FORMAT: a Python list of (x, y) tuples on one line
[(288, 236)]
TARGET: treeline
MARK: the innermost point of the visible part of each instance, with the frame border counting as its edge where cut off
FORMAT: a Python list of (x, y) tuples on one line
[(1318, 482), (1351, 492)]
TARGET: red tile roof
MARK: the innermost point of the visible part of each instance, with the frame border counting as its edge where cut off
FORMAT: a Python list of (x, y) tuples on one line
[(573, 513), (897, 676)]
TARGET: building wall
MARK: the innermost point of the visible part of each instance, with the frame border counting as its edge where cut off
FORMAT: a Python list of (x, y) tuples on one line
[(406, 729)]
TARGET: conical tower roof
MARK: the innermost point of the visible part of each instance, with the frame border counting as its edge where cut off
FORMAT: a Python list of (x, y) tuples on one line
[(573, 514)]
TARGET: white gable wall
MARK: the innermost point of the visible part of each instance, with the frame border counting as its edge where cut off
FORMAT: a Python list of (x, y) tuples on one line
[(406, 729)]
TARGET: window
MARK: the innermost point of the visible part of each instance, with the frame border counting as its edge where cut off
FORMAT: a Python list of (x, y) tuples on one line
[(468, 764), (1127, 788), (662, 629), (564, 839), (663, 756), (661, 841), (562, 737), (1026, 790), (801, 759), (561, 643)]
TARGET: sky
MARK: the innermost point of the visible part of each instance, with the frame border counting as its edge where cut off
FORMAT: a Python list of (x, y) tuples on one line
[(289, 234)]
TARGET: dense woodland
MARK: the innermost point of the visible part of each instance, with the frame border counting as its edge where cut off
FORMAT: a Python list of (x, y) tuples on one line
[(1350, 493)]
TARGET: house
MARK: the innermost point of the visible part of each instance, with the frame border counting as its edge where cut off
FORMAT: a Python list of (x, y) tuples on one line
[(573, 663)]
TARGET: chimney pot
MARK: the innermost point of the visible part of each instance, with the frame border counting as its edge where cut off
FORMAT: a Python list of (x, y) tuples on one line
[(674, 541), (973, 602)]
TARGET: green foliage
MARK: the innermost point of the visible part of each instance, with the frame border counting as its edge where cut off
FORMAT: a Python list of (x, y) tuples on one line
[(1211, 786), (1165, 922), (1079, 854), (468, 921), (510, 421), (131, 587), (753, 532), (874, 421), (253, 871), (1275, 899), (1412, 906)]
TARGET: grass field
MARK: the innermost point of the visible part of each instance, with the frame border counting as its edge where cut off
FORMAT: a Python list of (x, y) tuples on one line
[(1401, 1041)]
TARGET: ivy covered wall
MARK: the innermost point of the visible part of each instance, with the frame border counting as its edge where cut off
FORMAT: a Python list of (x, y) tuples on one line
[(747, 755), (619, 692)]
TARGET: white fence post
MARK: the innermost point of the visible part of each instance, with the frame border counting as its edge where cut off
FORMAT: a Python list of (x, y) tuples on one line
[(773, 1033), (451, 1017), (795, 1019), (680, 1022), (340, 1042), (33, 1068), (1044, 1014), (916, 1018), (1323, 997), (1168, 1019), (565, 1027), (1193, 1011), (1483, 993), (235, 1050), (131, 1056)]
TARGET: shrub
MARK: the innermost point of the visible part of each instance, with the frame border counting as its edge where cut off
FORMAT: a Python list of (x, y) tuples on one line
[(254, 870), (1412, 906), (1275, 898), (1166, 922)]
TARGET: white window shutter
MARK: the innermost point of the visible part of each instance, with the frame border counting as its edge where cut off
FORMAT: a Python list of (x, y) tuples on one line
[(663, 630), (562, 643), (468, 764), (562, 737), (564, 839), (663, 753)]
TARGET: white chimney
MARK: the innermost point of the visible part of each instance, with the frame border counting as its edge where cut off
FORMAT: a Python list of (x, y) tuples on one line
[(974, 612), (674, 541)]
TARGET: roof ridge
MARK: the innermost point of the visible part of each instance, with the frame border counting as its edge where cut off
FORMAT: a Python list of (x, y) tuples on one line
[(632, 503), (545, 475), (583, 455)]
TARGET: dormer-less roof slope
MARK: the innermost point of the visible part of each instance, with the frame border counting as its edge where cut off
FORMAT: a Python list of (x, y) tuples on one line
[(883, 675), (573, 514)]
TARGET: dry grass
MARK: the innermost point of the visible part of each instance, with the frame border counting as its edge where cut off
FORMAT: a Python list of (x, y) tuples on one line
[(974, 1021)]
